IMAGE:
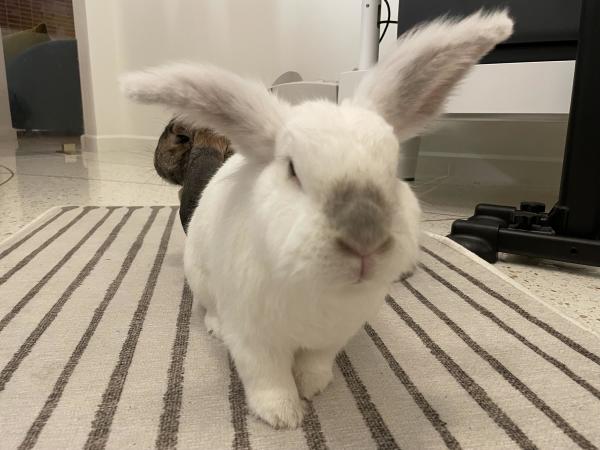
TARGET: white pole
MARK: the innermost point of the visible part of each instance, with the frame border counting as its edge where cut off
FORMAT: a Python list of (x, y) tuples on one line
[(369, 34)]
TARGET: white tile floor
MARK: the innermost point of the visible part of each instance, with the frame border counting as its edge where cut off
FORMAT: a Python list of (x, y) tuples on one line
[(44, 178)]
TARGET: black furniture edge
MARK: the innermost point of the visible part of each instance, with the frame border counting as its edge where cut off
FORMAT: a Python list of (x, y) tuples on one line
[(532, 52), (545, 30), (570, 231)]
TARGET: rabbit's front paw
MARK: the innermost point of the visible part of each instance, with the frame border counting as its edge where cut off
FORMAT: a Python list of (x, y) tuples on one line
[(312, 382), (313, 371), (278, 409)]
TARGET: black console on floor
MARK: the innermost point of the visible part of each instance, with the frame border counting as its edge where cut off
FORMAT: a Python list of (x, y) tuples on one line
[(526, 231), (570, 231)]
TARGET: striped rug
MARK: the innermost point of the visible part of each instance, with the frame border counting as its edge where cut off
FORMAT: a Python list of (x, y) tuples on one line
[(101, 346)]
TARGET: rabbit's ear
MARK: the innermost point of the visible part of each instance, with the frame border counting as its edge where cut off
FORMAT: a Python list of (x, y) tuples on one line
[(410, 86), (205, 96)]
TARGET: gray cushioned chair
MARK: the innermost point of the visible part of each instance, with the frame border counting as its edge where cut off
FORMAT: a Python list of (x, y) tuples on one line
[(44, 88)]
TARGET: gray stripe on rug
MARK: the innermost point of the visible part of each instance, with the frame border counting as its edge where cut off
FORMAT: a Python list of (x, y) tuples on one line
[(239, 410), (378, 428), (503, 371), (102, 422), (429, 412), (476, 392), (26, 260), (35, 231), (311, 426), (48, 276), (517, 308), (169, 419), (63, 379), (47, 320), (490, 315)]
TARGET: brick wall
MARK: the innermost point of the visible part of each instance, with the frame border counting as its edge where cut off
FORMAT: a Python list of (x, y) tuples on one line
[(16, 15)]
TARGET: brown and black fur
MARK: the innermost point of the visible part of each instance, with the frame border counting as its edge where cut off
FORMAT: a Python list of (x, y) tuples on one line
[(189, 157), (175, 144)]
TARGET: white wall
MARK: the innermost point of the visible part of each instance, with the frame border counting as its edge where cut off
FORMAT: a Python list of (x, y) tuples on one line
[(99, 60), (263, 39), (259, 38)]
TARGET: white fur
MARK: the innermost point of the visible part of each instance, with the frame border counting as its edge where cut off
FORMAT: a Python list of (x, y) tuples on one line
[(261, 255), (207, 96), (426, 65)]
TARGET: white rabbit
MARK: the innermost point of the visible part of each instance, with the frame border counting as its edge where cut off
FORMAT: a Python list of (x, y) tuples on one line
[(297, 238)]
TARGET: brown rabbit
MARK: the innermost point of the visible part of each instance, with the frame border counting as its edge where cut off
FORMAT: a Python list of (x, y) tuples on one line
[(172, 153), (189, 157)]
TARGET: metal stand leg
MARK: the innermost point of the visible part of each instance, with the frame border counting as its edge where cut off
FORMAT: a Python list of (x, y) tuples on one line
[(409, 156), (570, 231)]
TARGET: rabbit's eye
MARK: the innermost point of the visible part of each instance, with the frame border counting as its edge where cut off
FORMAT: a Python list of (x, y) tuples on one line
[(182, 139)]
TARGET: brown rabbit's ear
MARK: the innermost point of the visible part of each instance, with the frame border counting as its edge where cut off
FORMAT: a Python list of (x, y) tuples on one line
[(205, 96), (171, 124), (410, 87), (179, 127)]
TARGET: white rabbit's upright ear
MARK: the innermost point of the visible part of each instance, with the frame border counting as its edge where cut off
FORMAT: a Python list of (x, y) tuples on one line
[(206, 96), (410, 86)]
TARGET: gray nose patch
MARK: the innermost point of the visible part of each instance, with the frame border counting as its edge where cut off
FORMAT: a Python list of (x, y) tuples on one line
[(359, 213)]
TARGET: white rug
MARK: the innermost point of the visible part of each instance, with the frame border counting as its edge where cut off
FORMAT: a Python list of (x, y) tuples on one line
[(102, 347)]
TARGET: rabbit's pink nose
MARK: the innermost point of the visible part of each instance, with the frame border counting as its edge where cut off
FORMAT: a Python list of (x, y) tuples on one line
[(354, 249), (366, 266)]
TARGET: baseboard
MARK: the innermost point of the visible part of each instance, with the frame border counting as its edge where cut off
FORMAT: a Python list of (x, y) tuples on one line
[(469, 154), (466, 169), (502, 152), (103, 143), (8, 135)]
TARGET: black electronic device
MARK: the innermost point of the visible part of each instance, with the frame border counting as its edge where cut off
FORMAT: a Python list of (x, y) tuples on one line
[(570, 230)]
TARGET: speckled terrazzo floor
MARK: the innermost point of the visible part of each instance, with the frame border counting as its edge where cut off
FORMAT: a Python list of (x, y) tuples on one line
[(572, 289), (44, 178)]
